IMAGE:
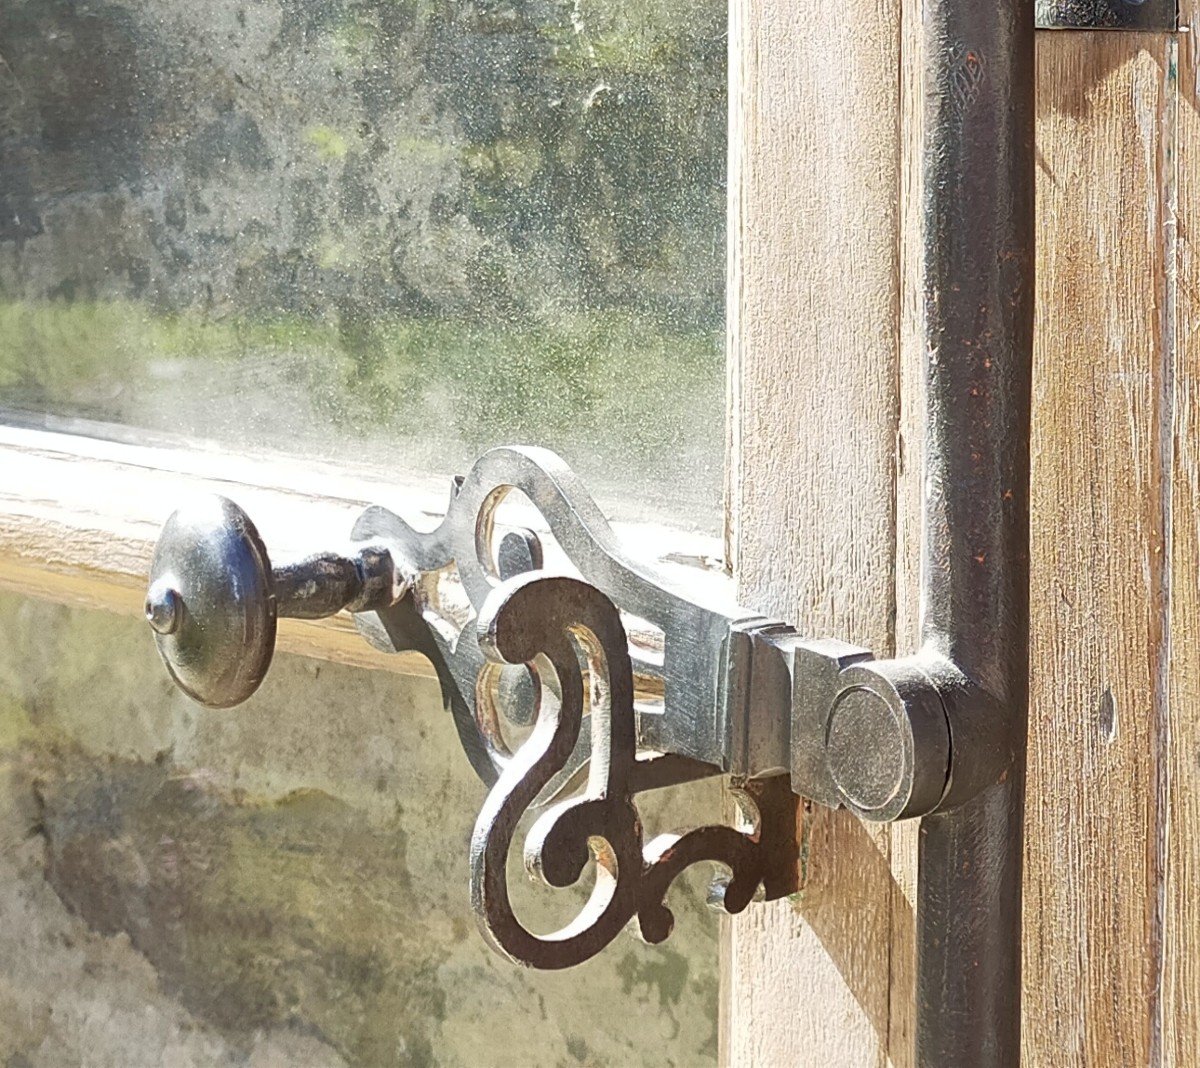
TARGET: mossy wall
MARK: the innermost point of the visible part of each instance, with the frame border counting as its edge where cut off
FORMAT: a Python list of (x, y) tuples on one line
[(284, 884)]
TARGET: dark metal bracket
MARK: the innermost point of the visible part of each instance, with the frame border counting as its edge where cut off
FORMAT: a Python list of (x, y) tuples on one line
[(1134, 15)]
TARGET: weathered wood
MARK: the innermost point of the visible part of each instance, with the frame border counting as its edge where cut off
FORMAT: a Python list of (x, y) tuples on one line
[(1180, 1001), (813, 318), (1101, 441), (910, 443), (1112, 928)]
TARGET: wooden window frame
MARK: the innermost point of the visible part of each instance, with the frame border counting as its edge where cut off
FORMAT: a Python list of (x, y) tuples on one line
[(825, 368), (826, 372), (80, 514)]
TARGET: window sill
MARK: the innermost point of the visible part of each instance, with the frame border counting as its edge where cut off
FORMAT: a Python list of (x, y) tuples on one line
[(79, 517)]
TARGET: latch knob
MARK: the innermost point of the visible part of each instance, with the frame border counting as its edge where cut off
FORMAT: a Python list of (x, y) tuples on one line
[(214, 597)]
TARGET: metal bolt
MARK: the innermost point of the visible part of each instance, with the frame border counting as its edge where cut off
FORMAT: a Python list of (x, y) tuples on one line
[(865, 749), (164, 607)]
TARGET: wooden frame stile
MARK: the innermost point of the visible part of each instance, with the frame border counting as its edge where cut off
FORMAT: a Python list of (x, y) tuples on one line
[(826, 390), (1179, 1001), (820, 508), (1105, 695)]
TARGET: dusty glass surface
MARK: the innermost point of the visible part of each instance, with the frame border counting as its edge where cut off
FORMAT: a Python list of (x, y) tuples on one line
[(284, 884), (394, 229)]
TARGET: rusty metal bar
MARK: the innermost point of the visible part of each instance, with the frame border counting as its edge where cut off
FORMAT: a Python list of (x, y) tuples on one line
[(979, 268)]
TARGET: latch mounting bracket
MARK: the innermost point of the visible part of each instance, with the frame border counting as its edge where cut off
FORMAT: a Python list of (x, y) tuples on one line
[(1131, 15)]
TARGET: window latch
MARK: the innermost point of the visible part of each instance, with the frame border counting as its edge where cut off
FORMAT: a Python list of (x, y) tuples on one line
[(523, 630), (552, 634)]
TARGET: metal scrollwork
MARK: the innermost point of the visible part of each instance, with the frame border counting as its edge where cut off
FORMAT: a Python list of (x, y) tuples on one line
[(458, 564), (571, 637), (522, 641)]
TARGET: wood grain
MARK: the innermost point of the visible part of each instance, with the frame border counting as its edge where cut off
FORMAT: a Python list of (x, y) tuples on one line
[(1180, 1005), (1112, 920), (910, 477), (1100, 503), (813, 307)]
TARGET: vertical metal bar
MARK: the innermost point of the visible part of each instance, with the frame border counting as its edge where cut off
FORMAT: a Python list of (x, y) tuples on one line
[(979, 264)]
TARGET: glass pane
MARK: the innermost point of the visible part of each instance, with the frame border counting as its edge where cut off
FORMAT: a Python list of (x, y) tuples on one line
[(284, 884), (395, 229)]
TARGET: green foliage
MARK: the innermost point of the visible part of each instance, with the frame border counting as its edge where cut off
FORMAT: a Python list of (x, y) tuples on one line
[(605, 376)]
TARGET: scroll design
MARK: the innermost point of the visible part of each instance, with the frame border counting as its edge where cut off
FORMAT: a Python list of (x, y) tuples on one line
[(565, 628), (458, 555)]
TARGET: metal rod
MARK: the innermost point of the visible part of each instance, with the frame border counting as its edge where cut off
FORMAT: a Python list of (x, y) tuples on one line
[(979, 266), (324, 583)]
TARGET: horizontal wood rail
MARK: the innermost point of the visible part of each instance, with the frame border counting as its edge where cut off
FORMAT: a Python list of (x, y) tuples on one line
[(79, 517)]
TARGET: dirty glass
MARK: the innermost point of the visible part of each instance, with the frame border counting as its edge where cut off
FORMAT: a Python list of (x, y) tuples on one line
[(398, 230), (284, 884)]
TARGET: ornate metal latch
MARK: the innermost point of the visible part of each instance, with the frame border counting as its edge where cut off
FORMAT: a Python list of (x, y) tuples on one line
[(514, 639)]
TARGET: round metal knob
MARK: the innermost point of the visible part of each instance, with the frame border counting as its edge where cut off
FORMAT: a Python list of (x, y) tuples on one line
[(210, 602)]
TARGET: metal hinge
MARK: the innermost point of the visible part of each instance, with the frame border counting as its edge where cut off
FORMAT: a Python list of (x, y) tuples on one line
[(1136, 15)]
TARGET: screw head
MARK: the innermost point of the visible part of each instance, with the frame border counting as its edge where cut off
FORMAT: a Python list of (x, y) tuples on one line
[(164, 607)]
